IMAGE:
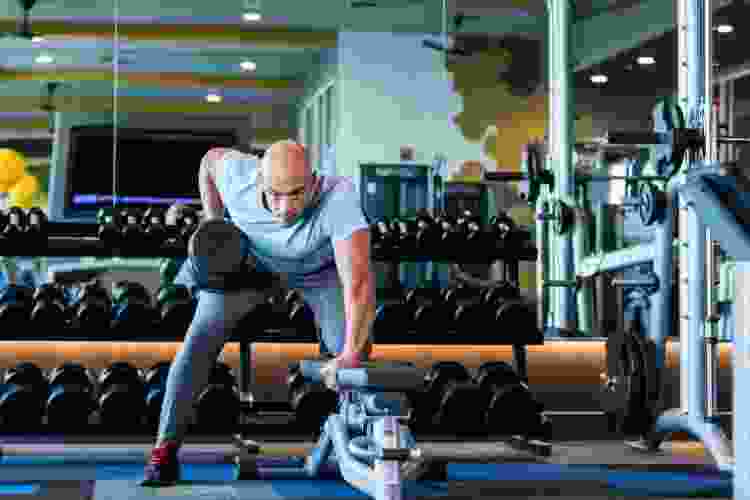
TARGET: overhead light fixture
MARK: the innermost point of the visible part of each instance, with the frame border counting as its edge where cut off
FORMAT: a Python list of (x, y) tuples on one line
[(213, 97), (37, 39), (599, 79), (252, 16), (248, 66), (725, 28), (44, 59), (646, 60)]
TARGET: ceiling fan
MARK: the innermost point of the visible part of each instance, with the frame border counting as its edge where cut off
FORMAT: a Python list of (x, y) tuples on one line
[(24, 22), (453, 48)]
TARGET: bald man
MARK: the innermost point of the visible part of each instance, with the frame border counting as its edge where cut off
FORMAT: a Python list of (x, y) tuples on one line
[(307, 229)]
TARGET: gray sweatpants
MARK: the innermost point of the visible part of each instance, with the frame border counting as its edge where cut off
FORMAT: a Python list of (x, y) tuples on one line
[(216, 316)]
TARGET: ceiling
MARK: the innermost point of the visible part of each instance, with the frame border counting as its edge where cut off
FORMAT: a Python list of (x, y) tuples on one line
[(171, 53)]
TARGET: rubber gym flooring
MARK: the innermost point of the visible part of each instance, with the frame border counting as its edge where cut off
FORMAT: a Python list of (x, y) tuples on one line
[(577, 469)]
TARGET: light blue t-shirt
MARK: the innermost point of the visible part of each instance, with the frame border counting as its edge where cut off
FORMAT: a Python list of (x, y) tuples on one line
[(301, 253)]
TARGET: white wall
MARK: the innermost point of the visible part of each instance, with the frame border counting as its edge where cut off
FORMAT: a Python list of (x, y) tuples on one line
[(392, 92)]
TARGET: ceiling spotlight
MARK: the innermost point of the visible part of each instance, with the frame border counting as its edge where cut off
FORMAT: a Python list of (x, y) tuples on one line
[(725, 28), (213, 97), (44, 59), (37, 39), (247, 66), (251, 16), (646, 60), (599, 79)]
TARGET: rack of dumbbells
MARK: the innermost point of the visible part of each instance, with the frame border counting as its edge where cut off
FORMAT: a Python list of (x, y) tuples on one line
[(496, 400), (74, 398)]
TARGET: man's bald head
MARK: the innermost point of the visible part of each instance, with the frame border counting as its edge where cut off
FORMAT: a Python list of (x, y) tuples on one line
[(287, 180), (286, 166)]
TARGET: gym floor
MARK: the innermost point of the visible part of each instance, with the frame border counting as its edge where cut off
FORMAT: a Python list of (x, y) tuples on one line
[(104, 468)]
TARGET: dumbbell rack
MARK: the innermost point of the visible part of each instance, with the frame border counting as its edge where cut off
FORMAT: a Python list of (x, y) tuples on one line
[(63, 239)]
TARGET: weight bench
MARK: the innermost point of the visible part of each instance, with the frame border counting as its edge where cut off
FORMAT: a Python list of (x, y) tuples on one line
[(367, 441)]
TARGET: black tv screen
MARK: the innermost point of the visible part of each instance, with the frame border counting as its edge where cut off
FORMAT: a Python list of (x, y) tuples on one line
[(154, 167)]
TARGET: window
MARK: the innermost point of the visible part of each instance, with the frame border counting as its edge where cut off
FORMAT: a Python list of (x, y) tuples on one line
[(317, 127)]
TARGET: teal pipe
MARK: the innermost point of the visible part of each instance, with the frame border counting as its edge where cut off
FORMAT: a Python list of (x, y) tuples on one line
[(560, 131), (584, 295)]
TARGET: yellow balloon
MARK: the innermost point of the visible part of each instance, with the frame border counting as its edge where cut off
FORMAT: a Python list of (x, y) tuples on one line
[(12, 168), (22, 194)]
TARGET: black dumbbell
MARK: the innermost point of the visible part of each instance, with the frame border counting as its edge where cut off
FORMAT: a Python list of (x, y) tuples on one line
[(15, 223), (121, 400), (470, 227), (154, 227), (385, 238), (311, 402), (502, 226), (187, 223), (393, 323), (428, 233), (132, 232), (450, 236), (131, 310), (110, 226), (176, 309), (502, 291), (71, 397), (509, 408), (49, 311), (302, 321), (155, 381), (15, 308), (3, 221), (36, 226), (424, 305), (22, 398), (218, 405), (455, 295), (92, 309), (406, 233), (449, 400)]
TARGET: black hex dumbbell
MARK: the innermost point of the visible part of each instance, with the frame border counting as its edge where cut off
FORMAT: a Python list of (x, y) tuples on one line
[(49, 311), (311, 402), (508, 406), (92, 310), (35, 231), (120, 399), (154, 227), (218, 405), (155, 382), (71, 397), (426, 311), (15, 223), (428, 233), (15, 309), (132, 233), (22, 398), (132, 310)]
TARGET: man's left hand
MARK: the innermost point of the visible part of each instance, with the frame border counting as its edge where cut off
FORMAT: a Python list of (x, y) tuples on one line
[(341, 362)]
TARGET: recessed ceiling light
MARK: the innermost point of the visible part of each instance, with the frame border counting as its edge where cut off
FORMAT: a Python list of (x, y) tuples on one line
[(248, 66), (251, 16), (725, 28), (213, 97), (646, 60), (44, 59), (599, 79), (37, 39)]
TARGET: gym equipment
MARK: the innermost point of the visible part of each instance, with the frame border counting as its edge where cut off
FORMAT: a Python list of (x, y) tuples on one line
[(132, 233), (176, 309), (384, 238), (154, 228), (168, 271), (49, 310), (427, 233), (132, 310), (630, 390), (218, 405), (110, 227), (71, 397), (221, 258), (311, 402), (15, 307), (302, 320), (425, 307), (155, 381), (187, 223), (15, 223), (392, 322), (121, 400), (508, 406), (374, 449), (36, 226), (22, 398), (449, 401), (92, 310)]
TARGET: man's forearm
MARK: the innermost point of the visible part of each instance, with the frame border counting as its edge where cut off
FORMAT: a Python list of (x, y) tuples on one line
[(360, 313)]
